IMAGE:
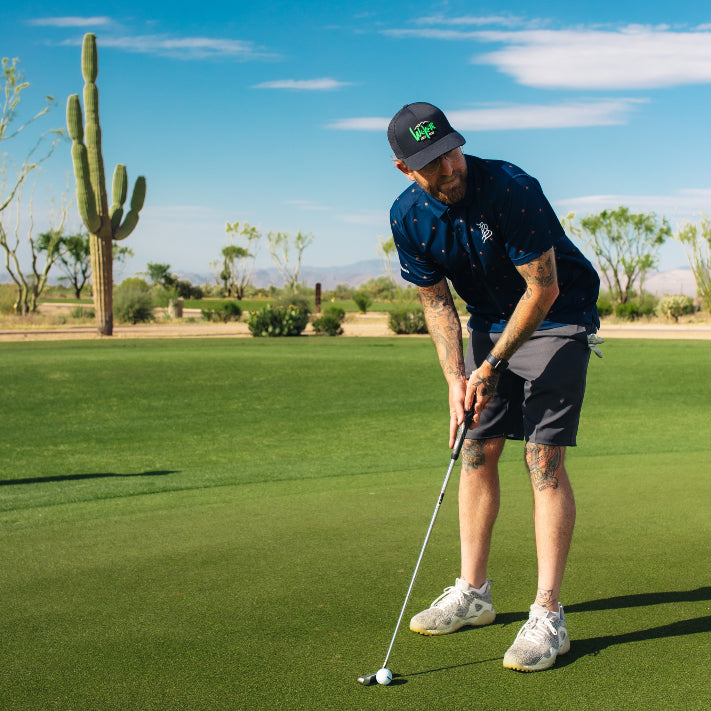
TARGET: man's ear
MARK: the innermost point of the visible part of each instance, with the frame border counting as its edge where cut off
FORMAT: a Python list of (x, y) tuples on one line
[(402, 167)]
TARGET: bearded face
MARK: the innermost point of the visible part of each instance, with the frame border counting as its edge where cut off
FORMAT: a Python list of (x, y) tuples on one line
[(445, 178)]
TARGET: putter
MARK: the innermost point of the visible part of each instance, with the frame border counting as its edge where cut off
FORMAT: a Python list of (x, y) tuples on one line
[(369, 679)]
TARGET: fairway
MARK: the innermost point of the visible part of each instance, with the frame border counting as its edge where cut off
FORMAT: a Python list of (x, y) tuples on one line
[(233, 524)]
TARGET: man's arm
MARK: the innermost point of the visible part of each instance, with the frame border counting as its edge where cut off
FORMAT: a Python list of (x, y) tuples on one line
[(446, 332), (541, 291)]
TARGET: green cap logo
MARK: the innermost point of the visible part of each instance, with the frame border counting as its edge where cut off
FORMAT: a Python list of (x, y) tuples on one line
[(423, 130)]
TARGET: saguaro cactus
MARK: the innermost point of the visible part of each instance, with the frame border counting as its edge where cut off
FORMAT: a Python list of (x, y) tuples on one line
[(103, 223)]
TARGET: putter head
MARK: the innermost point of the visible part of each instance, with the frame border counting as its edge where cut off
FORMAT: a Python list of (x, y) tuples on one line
[(367, 679)]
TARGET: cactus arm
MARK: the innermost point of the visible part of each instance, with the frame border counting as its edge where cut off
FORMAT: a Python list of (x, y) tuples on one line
[(131, 220), (118, 196), (86, 201)]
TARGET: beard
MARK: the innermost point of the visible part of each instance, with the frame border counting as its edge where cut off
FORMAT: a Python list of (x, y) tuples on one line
[(449, 190)]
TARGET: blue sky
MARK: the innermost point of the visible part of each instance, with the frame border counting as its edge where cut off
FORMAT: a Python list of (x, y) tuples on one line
[(275, 113)]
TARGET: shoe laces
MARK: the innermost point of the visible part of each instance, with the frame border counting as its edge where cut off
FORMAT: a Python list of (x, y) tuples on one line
[(452, 591), (537, 629)]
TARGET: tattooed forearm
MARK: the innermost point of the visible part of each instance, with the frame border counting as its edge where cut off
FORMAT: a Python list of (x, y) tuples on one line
[(541, 291), (473, 455), (444, 326), (544, 462)]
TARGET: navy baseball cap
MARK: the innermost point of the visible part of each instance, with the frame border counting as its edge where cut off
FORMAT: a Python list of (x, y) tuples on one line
[(419, 133)]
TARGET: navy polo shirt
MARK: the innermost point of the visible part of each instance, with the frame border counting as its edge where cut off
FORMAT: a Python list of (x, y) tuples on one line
[(504, 221)]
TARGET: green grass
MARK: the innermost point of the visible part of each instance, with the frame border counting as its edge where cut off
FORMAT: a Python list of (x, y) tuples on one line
[(232, 524)]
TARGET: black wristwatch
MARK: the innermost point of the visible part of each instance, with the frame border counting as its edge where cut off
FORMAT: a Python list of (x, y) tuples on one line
[(498, 364)]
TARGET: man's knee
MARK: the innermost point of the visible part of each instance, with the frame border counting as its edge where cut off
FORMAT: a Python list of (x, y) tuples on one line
[(545, 465)]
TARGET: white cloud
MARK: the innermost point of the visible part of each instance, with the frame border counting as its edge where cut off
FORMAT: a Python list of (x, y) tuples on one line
[(634, 57), (71, 21), (684, 204), (323, 84), (568, 114), (186, 48), (474, 20)]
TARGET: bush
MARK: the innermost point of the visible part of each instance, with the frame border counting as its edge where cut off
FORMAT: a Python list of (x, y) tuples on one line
[(404, 322), (82, 312), (675, 306), (330, 322), (604, 308), (300, 302), (278, 321), (223, 313), (629, 311), (362, 300), (133, 303)]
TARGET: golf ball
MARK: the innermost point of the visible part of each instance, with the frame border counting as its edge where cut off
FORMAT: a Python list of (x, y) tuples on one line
[(384, 676)]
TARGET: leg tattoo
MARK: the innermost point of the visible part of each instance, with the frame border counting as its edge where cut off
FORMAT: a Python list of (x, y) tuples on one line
[(543, 462), (544, 597), (473, 455)]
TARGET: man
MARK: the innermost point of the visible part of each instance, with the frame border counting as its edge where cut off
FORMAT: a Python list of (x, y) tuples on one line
[(486, 226)]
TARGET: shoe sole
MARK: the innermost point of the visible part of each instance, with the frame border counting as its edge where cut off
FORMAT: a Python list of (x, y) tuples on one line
[(486, 618), (542, 665)]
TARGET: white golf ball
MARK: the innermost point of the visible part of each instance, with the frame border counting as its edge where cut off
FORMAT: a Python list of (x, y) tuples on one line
[(384, 676)]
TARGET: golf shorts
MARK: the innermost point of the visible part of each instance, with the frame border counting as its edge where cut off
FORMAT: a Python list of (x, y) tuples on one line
[(540, 395)]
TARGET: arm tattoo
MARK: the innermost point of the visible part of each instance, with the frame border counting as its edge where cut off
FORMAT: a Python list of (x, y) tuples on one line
[(544, 462), (473, 455), (539, 274), (444, 326)]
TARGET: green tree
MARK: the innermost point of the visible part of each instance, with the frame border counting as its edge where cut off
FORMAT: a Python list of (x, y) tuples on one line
[(74, 258), (696, 240), (160, 274), (237, 259), (282, 248), (625, 246)]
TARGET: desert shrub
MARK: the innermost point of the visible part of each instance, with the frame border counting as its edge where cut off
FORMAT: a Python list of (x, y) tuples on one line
[(134, 283), (223, 313), (298, 301), (278, 321), (331, 321), (82, 312), (648, 305), (604, 307), (675, 306), (362, 300), (132, 302), (403, 321), (629, 311)]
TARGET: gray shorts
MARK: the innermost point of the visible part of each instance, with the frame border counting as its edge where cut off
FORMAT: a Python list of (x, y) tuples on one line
[(540, 396)]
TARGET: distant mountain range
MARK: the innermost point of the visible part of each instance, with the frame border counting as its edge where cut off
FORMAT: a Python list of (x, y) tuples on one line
[(329, 277), (673, 281)]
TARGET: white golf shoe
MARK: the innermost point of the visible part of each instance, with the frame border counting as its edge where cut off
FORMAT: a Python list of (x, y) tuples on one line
[(458, 606), (539, 641)]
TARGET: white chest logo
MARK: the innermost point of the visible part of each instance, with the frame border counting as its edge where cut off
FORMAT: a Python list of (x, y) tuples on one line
[(486, 233)]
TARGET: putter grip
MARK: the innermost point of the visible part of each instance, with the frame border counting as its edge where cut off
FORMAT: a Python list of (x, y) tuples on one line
[(461, 433)]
